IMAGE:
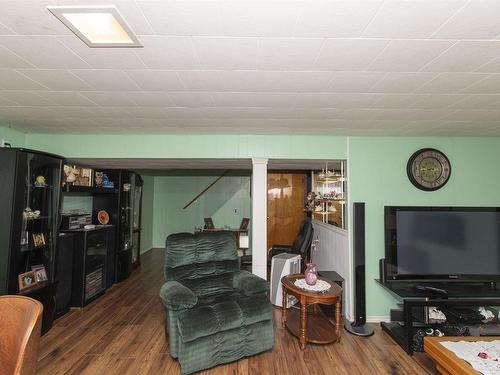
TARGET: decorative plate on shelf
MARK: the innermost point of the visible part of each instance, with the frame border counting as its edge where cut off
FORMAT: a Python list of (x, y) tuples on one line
[(103, 217)]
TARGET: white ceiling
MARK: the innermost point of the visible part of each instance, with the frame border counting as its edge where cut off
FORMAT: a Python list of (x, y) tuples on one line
[(397, 67)]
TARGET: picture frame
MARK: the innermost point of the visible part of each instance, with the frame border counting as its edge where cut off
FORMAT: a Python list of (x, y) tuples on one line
[(85, 177), (26, 280), (40, 273), (38, 240)]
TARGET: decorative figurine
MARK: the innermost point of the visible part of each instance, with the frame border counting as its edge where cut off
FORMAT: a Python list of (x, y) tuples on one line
[(40, 181), (98, 178), (106, 183)]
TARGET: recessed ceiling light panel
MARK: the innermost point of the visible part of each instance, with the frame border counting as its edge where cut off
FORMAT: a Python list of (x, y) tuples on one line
[(97, 26)]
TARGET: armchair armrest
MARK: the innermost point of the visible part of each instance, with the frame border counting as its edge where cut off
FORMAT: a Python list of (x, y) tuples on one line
[(249, 284), (176, 296)]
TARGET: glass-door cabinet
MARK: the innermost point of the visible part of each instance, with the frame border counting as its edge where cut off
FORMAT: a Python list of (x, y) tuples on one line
[(136, 219), (29, 205), (128, 251)]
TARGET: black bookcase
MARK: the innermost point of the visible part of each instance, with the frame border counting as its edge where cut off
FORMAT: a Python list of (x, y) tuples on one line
[(29, 205)]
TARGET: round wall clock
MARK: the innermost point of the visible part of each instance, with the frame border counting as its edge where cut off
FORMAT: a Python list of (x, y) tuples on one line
[(428, 169)]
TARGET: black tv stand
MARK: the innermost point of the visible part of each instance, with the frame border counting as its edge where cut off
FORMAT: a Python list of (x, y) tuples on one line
[(413, 299)]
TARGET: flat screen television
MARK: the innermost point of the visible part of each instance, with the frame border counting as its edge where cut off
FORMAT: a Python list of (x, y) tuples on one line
[(442, 243)]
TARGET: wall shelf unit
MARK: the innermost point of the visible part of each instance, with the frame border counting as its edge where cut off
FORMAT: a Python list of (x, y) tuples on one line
[(330, 189)]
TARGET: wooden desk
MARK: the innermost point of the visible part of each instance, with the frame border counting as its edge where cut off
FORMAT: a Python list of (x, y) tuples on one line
[(311, 325), (447, 363)]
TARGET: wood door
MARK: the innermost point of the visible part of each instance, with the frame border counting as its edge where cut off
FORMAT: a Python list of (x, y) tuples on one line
[(286, 193)]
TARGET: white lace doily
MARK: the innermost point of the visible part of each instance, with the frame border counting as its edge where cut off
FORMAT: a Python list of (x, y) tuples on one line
[(320, 286)]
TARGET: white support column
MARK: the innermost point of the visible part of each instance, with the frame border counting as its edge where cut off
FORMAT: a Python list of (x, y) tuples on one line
[(259, 217)]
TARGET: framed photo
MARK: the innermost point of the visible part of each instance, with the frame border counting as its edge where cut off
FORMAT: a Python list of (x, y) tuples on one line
[(40, 273), (84, 178), (26, 280), (38, 240)]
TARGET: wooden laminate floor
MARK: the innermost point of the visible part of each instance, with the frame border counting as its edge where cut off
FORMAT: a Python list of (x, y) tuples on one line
[(122, 332)]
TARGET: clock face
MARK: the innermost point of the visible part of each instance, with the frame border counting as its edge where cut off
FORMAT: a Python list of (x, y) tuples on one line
[(428, 169)]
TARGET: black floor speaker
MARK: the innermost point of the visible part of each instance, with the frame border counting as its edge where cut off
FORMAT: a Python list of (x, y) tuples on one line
[(359, 327), (64, 272)]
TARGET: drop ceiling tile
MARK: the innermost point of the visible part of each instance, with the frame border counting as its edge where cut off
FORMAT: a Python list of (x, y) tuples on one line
[(56, 79), (156, 80), (174, 52), (4, 102), (259, 18), (145, 112), (478, 101), (26, 98), (107, 98), (394, 101), (66, 98), (349, 54), (26, 113), (44, 52), (489, 85), (254, 99), (9, 59), (183, 17), (411, 19), (402, 82), (227, 53), (74, 111), (450, 83), (106, 80), (465, 56), (287, 53), (354, 81), (4, 30), (191, 99), (490, 67), (434, 101), (151, 99), (31, 18), (103, 58), (474, 115), (335, 20), (255, 81), (408, 55), (408, 114), (331, 100), (476, 20), (13, 80)]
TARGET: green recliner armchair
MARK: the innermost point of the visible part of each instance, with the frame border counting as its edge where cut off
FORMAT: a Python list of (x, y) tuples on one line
[(215, 312)]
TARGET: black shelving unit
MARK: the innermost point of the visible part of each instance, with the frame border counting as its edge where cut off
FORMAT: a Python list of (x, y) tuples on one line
[(414, 301), (30, 181)]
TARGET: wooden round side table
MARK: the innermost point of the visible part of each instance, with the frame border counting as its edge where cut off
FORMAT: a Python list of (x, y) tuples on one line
[(311, 325)]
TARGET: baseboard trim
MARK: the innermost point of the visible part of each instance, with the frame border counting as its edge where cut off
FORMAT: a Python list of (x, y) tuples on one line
[(377, 318), (144, 251)]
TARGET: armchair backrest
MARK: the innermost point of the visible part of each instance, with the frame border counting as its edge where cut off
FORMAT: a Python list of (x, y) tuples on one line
[(191, 256)]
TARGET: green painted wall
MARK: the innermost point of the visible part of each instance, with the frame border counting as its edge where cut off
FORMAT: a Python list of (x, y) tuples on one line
[(378, 178), (190, 146), (14, 137), (226, 202), (377, 175), (147, 212)]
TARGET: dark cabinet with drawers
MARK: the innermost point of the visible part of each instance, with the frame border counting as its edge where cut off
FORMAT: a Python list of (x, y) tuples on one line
[(91, 248)]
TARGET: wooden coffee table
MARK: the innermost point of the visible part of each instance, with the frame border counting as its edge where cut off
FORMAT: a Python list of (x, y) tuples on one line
[(447, 363), (311, 325)]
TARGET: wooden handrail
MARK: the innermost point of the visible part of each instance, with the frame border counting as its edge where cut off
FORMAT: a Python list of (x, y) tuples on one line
[(208, 187)]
